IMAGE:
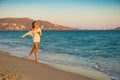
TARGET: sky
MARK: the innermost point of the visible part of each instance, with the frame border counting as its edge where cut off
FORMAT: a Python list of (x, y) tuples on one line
[(84, 14)]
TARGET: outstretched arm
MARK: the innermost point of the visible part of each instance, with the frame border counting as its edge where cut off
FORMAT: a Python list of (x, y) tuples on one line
[(26, 34)]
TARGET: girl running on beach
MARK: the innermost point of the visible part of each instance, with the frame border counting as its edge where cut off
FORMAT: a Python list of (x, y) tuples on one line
[(36, 33)]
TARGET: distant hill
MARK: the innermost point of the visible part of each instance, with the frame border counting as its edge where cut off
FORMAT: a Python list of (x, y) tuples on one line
[(117, 28), (25, 24)]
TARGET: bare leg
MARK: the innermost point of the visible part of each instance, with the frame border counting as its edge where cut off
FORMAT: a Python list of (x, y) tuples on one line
[(36, 51), (33, 49)]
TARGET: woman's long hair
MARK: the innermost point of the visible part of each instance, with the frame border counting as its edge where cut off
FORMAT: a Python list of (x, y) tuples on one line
[(33, 23)]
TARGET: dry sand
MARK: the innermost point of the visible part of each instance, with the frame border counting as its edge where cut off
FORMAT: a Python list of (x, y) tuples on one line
[(10, 74), (36, 71)]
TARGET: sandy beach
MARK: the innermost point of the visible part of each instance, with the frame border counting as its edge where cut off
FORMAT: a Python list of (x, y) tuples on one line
[(36, 71)]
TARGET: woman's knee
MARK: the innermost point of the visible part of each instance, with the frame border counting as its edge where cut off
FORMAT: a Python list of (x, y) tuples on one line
[(36, 49), (36, 45)]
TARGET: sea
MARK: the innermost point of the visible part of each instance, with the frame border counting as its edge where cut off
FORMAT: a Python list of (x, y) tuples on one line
[(91, 49)]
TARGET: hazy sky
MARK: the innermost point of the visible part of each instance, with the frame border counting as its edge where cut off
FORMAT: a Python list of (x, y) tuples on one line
[(75, 13)]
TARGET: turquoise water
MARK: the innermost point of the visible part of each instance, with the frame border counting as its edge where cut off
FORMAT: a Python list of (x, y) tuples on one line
[(92, 49)]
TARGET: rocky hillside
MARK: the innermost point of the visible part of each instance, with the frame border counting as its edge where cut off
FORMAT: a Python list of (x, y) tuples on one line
[(25, 24), (117, 28)]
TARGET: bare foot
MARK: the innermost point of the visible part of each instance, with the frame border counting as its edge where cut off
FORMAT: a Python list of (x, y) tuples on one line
[(37, 61)]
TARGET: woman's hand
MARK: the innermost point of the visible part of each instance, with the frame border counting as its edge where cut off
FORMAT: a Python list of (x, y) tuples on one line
[(20, 36)]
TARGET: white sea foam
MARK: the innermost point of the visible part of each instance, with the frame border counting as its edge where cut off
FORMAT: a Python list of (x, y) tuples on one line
[(73, 64), (82, 71)]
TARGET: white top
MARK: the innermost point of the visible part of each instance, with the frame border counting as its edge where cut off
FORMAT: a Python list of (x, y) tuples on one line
[(35, 34)]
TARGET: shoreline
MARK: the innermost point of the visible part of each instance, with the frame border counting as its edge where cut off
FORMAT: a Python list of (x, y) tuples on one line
[(92, 74), (37, 71)]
